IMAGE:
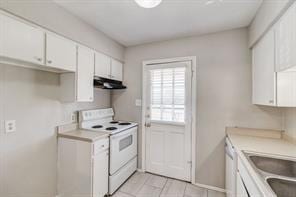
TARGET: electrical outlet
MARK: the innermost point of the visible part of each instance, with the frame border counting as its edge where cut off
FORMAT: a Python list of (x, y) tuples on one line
[(10, 126), (74, 117)]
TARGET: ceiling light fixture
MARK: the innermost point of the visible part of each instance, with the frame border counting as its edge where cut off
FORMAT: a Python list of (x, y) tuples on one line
[(209, 2), (148, 3)]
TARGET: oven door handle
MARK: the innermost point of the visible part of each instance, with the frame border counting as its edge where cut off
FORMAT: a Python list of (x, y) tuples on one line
[(124, 133)]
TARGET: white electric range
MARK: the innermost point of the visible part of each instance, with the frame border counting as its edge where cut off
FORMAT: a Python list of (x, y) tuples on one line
[(123, 143)]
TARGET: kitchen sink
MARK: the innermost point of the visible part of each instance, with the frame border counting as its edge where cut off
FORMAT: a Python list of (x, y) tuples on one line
[(278, 173), (276, 166), (282, 188)]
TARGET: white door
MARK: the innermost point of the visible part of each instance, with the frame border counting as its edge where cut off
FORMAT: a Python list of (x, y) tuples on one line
[(60, 53), (264, 75), (21, 41), (85, 74), (103, 66), (116, 70), (168, 119)]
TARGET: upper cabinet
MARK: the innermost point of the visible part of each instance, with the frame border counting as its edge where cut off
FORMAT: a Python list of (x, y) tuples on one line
[(60, 53), (286, 41), (264, 75), (102, 65), (107, 67), (85, 74), (271, 88), (116, 70), (27, 45), (20, 41)]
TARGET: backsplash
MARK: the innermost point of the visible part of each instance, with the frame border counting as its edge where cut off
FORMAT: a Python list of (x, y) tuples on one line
[(290, 122)]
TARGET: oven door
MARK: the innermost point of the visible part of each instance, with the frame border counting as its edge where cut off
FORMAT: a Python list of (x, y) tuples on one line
[(123, 148)]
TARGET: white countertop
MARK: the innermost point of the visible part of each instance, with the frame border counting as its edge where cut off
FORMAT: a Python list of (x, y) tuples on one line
[(265, 144), (72, 131), (84, 135)]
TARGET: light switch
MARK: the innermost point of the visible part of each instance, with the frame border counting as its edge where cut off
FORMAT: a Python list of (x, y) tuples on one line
[(10, 126), (138, 102)]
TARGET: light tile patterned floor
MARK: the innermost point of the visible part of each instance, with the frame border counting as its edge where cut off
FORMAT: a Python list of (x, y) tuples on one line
[(149, 185)]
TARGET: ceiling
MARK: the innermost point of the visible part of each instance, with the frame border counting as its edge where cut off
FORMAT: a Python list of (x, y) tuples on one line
[(129, 24)]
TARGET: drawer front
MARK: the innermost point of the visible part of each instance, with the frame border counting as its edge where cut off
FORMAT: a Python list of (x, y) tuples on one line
[(101, 145)]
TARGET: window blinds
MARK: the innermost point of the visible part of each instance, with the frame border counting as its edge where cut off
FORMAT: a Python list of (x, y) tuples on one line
[(168, 94)]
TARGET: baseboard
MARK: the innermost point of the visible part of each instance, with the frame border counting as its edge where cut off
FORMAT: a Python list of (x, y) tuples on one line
[(210, 187)]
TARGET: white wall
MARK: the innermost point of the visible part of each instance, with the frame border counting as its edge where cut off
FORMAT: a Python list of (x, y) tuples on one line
[(223, 93), (28, 157), (269, 11)]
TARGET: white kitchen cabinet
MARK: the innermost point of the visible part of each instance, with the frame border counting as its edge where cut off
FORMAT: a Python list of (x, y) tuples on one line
[(83, 167), (271, 88), (20, 41), (116, 70), (286, 41), (107, 67), (264, 75), (100, 173), (85, 74), (241, 190), (102, 65), (78, 87), (60, 53), (247, 180)]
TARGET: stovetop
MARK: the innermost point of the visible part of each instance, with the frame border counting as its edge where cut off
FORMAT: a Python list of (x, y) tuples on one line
[(102, 120), (109, 126)]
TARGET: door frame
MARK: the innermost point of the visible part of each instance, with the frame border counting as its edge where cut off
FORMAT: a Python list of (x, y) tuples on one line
[(193, 61)]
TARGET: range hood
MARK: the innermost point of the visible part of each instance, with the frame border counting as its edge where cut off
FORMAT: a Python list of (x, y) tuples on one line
[(104, 83)]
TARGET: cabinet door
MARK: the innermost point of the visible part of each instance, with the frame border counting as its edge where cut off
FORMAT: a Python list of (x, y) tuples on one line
[(264, 76), (286, 89), (21, 41), (286, 40), (103, 66), (240, 187), (100, 174), (60, 53), (85, 74), (116, 70)]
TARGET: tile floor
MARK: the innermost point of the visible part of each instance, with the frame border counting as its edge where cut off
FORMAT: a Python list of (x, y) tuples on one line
[(149, 185)]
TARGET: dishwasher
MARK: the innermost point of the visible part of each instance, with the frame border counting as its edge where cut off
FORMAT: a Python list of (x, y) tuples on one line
[(230, 169)]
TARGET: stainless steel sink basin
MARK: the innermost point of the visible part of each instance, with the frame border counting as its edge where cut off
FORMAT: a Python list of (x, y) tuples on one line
[(282, 188), (276, 166), (277, 172)]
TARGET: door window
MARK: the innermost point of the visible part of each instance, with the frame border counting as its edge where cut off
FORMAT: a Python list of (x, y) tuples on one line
[(168, 94)]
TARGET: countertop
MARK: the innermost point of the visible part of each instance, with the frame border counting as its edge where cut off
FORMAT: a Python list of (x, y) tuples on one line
[(260, 141), (72, 132)]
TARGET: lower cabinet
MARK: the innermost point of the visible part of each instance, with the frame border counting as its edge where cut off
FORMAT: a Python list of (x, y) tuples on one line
[(100, 174), (83, 167), (246, 187), (241, 190)]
